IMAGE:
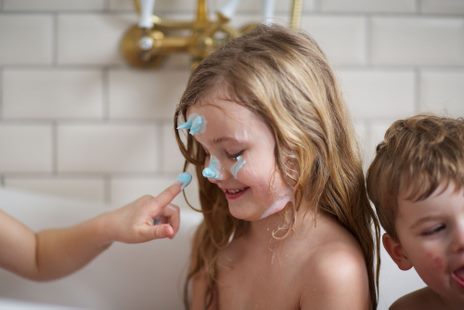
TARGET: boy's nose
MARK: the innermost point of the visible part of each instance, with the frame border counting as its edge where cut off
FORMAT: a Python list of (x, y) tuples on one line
[(458, 239)]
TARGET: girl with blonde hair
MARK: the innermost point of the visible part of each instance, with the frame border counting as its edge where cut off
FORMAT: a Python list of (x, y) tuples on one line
[(287, 223)]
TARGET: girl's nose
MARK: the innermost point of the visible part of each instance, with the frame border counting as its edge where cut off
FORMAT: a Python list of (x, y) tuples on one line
[(213, 171)]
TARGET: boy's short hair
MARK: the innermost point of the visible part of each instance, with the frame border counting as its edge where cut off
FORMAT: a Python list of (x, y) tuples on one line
[(416, 156)]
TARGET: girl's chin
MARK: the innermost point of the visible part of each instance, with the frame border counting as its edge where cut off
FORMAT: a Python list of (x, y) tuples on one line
[(242, 212)]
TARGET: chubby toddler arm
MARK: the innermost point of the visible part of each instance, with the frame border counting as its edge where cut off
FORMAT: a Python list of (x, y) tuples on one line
[(54, 253)]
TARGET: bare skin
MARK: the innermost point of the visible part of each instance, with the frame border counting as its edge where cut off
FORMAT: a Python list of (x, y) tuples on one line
[(315, 267), (54, 253), (423, 299)]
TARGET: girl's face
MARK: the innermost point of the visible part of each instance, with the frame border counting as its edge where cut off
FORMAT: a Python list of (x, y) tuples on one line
[(241, 158)]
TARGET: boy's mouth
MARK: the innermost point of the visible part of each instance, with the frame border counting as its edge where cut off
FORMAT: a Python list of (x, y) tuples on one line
[(458, 276), (232, 194)]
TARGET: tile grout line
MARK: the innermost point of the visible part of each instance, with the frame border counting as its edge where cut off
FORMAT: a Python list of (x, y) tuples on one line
[(107, 189), (159, 128), (417, 90), (83, 66), (368, 47), (418, 7), (55, 148), (2, 92), (95, 174), (55, 40), (106, 6), (105, 94), (368, 137)]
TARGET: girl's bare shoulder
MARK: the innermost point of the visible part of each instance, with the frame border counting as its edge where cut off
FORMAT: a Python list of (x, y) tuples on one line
[(335, 268), (331, 242)]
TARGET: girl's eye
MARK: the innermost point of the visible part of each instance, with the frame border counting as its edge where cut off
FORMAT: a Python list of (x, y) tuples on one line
[(235, 155), (433, 230)]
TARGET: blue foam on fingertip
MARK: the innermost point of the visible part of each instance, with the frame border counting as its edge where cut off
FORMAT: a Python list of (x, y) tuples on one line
[(184, 179)]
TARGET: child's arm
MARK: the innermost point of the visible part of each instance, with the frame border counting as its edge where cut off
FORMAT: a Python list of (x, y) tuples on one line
[(54, 253), (341, 282)]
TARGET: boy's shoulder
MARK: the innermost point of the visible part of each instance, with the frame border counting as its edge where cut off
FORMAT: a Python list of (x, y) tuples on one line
[(422, 299)]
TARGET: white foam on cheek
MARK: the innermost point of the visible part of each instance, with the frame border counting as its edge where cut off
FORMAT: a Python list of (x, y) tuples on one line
[(279, 204), (237, 166)]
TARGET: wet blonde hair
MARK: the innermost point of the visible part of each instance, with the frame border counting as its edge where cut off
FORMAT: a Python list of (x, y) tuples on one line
[(283, 77), (416, 156)]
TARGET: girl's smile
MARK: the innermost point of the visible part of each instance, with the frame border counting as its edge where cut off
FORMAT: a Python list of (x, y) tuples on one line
[(241, 158)]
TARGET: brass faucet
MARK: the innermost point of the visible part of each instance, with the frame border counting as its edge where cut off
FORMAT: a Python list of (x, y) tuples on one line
[(147, 46)]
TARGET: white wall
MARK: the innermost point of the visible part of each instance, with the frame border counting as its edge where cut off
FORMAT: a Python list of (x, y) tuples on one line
[(77, 122)]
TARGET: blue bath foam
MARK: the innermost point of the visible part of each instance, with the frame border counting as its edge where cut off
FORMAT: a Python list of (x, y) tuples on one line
[(198, 125), (237, 166), (184, 178), (195, 124), (212, 171), (185, 125)]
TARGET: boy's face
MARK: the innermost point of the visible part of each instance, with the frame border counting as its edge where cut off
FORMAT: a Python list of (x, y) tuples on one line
[(431, 239), (241, 148)]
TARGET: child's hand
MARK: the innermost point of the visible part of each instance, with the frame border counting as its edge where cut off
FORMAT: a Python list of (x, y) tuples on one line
[(145, 219)]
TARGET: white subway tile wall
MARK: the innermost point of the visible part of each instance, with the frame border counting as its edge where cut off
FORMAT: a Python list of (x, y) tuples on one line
[(75, 120), (52, 93), (423, 40), (442, 91), (26, 39), (454, 7), (90, 39), (108, 148), (176, 6), (90, 189), (53, 5), (376, 93), (26, 148), (147, 97), (172, 157), (342, 38), (390, 6)]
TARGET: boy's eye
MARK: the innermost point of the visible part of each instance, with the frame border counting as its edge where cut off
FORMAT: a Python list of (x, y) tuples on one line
[(433, 230)]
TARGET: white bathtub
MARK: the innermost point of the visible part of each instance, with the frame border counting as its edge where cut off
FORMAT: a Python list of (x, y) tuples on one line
[(143, 276)]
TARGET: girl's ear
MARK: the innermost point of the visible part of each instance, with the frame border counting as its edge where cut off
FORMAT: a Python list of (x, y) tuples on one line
[(396, 252)]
